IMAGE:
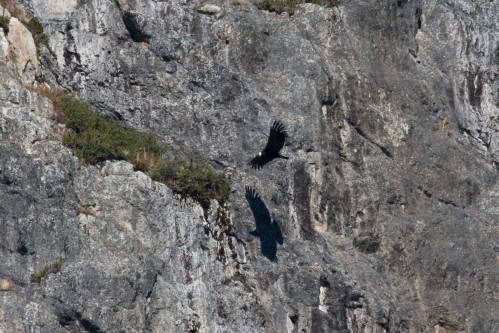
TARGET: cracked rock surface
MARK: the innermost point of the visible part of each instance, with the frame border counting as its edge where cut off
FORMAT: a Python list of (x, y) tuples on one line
[(384, 219)]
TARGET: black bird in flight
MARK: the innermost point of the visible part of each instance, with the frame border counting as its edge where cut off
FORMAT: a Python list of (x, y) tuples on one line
[(274, 145)]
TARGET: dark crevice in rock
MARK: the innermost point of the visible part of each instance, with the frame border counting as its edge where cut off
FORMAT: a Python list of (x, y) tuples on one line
[(196, 83), (475, 87), (442, 200), (368, 243), (385, 151), (221, 254), (135, 27), (219, 163), (329, 101), (74, 320), (480, 140), (66, 320), (355, 300), (466, 130), (359, 131), (425, 192), (450, 202), (385, 324), (5, 181), (22, 250), (418, 14), (168, 58), (324, 281), (89, 326), (117, 115), (71, 58), (414, 49), (151, 290)]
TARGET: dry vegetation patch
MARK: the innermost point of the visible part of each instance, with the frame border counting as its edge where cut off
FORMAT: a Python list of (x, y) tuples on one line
[(95, 138), (52, 268)]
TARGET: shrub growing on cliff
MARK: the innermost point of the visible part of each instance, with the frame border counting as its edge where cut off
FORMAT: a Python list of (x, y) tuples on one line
[(36, 28), (193, 178), (39, 275), (95, 138)]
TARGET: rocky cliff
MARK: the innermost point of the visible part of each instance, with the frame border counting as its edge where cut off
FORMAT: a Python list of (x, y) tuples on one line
[(385, 218)]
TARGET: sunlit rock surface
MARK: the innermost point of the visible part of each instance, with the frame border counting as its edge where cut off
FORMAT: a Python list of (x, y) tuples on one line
[(384, 219)]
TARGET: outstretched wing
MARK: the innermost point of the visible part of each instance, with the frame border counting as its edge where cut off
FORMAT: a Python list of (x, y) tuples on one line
[(259, 160), (276, 139), (275, 143)]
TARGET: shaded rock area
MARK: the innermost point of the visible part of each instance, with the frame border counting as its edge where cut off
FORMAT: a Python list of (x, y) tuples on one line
[(384, 219)]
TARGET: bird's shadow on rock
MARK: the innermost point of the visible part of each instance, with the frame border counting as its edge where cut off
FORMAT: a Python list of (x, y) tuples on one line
[(267, 230)]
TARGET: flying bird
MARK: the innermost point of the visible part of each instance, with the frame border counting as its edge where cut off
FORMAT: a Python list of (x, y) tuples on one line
[(274, 145)]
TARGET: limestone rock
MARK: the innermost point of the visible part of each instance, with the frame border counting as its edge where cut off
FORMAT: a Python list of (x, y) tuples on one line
[(210, 9), (4, 285), (18, 50), (384, 219)]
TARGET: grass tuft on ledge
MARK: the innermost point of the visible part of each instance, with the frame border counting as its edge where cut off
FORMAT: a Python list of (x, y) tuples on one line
[(95, 138), (39, 275), (193, 178), (36, 28)]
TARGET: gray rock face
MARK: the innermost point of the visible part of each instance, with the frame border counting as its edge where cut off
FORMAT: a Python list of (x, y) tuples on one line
[(384, 219)]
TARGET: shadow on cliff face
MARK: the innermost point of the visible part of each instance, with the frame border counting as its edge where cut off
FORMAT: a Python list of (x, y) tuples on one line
[(267, 230)]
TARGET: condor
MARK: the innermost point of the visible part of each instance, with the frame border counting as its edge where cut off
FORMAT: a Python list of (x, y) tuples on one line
[(274, 145)]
